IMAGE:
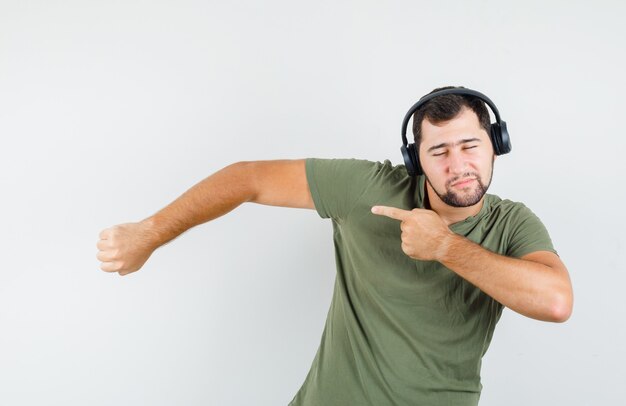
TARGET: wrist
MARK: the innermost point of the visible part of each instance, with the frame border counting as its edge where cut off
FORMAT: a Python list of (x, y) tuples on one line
[(446, 248), (153, 232)]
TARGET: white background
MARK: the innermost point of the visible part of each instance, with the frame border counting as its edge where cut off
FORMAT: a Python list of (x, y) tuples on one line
[(109, 110)]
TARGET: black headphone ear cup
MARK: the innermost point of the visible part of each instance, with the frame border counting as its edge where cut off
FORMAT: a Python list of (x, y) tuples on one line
[(416, 159), (500, 138), (409, 163), (505, 146), (494, 134)]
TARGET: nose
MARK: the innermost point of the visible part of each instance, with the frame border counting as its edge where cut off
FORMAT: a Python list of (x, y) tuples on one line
[(456, 163)]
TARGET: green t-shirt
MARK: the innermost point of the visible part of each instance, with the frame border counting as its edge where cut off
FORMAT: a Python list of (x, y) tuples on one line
[(401, 331)]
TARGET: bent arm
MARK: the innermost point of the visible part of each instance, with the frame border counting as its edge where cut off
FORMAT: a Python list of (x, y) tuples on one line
[(536, 285)]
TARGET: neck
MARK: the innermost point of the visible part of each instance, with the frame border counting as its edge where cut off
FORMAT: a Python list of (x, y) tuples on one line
[(450, 214)]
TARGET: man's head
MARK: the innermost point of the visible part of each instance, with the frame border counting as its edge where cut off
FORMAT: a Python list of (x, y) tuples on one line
[(455, 151)]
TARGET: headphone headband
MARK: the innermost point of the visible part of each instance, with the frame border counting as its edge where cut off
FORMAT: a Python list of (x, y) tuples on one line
[(460, 91)]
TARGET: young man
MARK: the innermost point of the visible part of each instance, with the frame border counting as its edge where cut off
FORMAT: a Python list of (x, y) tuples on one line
[(425, 264)]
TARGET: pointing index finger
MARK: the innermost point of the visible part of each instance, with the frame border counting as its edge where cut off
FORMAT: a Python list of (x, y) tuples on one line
[(391, 212)]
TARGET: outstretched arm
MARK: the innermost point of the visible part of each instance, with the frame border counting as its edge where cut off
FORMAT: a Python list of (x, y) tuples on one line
[(126, 247)]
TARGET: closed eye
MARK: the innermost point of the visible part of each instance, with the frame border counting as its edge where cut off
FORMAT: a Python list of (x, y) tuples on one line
[(443, 153)]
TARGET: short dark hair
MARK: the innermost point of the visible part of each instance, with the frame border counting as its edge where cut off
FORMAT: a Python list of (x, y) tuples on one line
[(446, 107)]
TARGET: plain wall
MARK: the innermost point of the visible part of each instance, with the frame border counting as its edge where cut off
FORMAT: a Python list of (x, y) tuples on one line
[(109, 110)]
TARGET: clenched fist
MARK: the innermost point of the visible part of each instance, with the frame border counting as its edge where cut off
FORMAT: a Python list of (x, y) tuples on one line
[(125, 248)]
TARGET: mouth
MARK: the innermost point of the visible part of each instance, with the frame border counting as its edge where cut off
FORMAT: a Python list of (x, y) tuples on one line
[(464, 182)]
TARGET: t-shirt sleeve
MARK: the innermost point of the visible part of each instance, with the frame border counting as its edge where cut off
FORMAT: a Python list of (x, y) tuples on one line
[(337, 184), (529, 235)]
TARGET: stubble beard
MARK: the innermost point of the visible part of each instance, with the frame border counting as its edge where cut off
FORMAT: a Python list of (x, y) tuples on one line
[(454, 199)]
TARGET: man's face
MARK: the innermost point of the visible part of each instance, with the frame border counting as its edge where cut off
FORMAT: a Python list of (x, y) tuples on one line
[(457, 159)]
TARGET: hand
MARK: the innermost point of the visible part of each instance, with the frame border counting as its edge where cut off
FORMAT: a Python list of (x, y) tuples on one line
[(424, 233), (125, 248)]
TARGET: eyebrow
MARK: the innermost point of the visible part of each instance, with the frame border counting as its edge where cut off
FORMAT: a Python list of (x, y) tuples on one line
[(445, 144)]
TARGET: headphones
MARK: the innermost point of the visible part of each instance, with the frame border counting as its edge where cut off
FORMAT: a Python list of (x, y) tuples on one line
[(498, 132)]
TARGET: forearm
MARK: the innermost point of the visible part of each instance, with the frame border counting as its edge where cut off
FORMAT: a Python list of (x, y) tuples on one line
[(529, 288), (213, 197)]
